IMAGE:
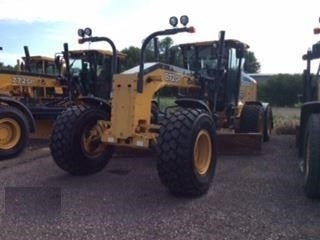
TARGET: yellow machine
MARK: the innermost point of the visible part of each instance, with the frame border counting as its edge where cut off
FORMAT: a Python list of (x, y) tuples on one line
[(33, 96), (184, 136), (22, 91)]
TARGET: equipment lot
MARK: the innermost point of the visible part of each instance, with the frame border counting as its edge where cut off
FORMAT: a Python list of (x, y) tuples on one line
[(252, 197)]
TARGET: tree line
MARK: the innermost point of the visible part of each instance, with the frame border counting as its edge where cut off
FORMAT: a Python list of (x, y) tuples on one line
[(251, 64)]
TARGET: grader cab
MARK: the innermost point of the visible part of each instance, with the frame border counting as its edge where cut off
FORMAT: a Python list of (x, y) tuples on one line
[(183, 137)]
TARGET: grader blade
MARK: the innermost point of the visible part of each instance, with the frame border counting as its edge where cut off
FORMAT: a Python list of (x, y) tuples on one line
[(239, 143)]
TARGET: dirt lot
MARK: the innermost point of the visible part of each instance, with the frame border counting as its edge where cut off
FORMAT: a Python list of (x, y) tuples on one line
[(252, 197)]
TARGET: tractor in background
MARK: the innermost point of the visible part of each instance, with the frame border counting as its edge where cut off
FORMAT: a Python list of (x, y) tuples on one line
[(183, 136), (22, 93), (308, 137), (42, 87)]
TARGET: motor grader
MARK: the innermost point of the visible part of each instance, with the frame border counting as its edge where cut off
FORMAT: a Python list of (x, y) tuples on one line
[(33, 96), (184, 137), (22, 93), (308, 137)]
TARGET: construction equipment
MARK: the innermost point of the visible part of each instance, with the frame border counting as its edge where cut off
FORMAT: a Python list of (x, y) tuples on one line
[(308, 137), (22, 93), (33, 96), (184, 137), (232, 95)]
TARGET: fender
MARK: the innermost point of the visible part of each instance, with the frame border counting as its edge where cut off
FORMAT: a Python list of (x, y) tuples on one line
[(192, 103), (23, 108)]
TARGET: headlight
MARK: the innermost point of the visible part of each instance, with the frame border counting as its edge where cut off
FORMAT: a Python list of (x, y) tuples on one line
[(173, 21), (184, 20), (88, 31), (81, 33)]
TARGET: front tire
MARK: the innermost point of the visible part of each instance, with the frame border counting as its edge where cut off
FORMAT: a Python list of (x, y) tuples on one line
[(75, 141), (187, 152), (312, 157), (14, 132)]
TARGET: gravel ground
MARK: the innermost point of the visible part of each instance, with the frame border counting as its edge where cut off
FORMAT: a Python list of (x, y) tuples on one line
[(252, 197)]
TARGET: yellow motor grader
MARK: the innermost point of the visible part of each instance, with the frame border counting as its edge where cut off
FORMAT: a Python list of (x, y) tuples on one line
[(184, 136), (32, 96), (32, 85)]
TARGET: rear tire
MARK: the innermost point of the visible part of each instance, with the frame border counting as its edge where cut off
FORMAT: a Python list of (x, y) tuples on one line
[(312, 157), (252, 119), (14, 132), (187, 152), (268, 124), (75, 141)]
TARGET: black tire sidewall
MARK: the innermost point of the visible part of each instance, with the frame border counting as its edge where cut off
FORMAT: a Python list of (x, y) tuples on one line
[(312, 180), (252, 116), (175, 162), (267, 124)]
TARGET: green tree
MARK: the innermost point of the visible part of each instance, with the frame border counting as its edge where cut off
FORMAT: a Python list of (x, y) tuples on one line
[(281, 89), (133, 53), (251, 64), (164, 47), (133, 56)]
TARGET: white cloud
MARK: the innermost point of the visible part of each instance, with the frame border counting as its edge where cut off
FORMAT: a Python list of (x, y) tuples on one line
[(57, 10), (278, 32)]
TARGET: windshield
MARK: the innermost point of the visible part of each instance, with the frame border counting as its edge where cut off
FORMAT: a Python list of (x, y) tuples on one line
[(200, 57)]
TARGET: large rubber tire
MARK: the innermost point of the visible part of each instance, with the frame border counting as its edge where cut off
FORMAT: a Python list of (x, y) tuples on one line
[(14, 132), (252, 119), (154, 112), (268, 124), (75, 143), (312, 157), (187, 152)]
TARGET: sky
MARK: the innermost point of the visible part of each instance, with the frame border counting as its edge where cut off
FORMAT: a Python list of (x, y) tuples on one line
[(279, 32)]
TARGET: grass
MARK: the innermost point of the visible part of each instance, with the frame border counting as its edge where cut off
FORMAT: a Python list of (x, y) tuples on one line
[(285, 120)]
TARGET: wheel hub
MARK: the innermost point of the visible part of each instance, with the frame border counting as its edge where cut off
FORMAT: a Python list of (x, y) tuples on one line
[(10, 133), (91, 143), (202, 152)]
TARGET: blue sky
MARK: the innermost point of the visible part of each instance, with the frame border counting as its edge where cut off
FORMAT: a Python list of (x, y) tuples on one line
[(278, 32)]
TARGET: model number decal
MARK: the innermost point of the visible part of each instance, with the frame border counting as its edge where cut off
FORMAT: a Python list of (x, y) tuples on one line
[(22, 81), (171, 77)]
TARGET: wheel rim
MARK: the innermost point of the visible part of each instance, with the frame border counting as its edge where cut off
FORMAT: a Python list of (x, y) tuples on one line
[(307, 159), (91, 143), (10, 133), (202, 152)]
